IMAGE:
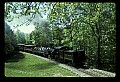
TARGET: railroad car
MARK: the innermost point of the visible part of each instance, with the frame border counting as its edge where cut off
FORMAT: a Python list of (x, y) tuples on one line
[(40, 51), (29, 48), (63, 53), (20, 47)]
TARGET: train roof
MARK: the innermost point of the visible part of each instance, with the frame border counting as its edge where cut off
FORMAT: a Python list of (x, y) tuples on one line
[(29, 45), (61, 47), (20, 44), (26, 45)]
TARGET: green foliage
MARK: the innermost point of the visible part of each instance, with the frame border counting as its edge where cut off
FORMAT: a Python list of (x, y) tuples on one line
[(8, 46), (10, 41), (20, 37), (86, 25), (20, 9), (41, 36)]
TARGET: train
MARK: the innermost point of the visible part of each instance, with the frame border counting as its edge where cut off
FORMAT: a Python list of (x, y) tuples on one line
[(64, 54)]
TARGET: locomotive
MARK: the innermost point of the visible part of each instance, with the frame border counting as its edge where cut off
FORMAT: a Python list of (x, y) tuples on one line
[(63, 54)]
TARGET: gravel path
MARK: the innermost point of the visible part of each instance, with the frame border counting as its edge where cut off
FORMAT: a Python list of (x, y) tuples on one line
[(97, 73), (80, 72)]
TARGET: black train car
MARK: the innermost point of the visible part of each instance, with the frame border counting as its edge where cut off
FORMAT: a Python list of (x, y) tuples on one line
[(58, 52), (70, 55), (23, 47), (20, 47), (62, 51), (29, 48), (76, 56), (64, 54), (80, 58)]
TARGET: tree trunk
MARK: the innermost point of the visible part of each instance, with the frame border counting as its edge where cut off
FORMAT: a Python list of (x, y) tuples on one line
[(98, 54)]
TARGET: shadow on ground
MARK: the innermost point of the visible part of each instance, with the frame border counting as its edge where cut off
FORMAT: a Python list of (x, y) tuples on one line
[(14, 56), (43, 66)]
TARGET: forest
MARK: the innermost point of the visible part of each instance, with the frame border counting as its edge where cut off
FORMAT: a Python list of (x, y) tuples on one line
[(79, 25)]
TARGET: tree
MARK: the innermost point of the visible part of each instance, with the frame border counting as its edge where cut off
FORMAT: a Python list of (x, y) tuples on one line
[(42, 34), (10, 41), (20, 37), (86, 23), (8, 45)]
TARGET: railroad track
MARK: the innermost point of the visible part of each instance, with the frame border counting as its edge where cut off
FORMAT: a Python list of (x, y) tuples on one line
[(97, 73)]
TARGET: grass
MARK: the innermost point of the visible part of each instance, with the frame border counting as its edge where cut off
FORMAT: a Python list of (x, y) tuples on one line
[(31, 66)]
